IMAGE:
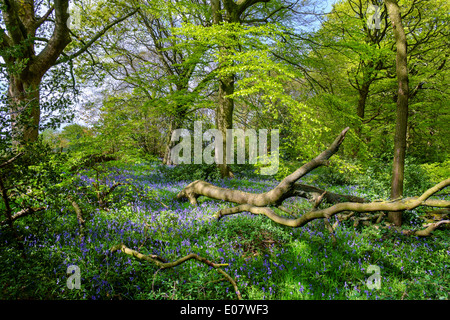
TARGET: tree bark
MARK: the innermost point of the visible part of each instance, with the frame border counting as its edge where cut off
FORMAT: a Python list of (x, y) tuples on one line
[(402, 108), (163, 264), (24, 81), (224, 120), (24, 97), (225, 105)]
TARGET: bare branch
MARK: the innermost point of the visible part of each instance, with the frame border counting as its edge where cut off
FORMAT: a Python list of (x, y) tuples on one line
[(22, 213), (427, 231), (273, 197), (391, 206), (44, 18), (165, 265), (4, 164)]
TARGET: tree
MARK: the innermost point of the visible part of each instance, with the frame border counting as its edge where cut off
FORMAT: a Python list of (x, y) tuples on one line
[(26, 61), (402, 107), (237, 13), (350, 65), (146, 66)]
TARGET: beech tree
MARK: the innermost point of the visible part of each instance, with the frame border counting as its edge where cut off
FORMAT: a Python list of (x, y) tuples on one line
[(24, 27), (402, 107), (239, 13)]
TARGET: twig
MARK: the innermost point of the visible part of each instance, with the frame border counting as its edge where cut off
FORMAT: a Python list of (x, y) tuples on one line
[(4, 164)]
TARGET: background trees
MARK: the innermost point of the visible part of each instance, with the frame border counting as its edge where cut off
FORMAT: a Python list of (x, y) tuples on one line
[(299, 67)]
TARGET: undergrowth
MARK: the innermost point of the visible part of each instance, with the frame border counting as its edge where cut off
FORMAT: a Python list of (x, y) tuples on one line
[(267, 260)]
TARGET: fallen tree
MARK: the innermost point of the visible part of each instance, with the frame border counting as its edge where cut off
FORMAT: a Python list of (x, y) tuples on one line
[(264, 203)]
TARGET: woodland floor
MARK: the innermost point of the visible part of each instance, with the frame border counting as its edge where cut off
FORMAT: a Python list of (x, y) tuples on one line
[(268, 261)]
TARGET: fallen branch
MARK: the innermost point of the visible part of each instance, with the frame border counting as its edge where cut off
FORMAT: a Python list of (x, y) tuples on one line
[(79, 213), (262, 203), (313, 193), (427, 231), (398, 205), (159, 262), (285, 189), (4, 164)]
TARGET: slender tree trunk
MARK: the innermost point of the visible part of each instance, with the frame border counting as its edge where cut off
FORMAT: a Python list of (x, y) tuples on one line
[(233, 10), (169, 144), (225, 107), (402, 108), (363, 93), (361, 107), (224, 120)]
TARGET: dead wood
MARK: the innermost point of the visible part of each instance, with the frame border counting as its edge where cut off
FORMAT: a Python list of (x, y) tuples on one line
[(162, 264), (263, 203)]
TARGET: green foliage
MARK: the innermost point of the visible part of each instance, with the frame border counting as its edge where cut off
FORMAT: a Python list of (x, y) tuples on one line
[(437, 171), (190, 172), (374, 177), (35, 177), (267, 260), (166, 62), (340, 172)]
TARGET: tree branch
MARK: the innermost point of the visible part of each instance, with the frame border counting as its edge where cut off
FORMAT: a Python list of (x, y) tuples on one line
[(243, 5), (391, 206), (96, 37), (44, 18), (22, 213), (165, 265), (273, 197), (6, 41), (14, 25), (58, 41), (4, 164)]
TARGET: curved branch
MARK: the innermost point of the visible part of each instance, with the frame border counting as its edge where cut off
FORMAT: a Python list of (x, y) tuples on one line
[(22, 213), (164, 265), (276, 196), (4, 164), (427, 231)]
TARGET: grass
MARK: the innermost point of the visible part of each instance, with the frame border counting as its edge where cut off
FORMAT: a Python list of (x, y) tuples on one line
[(267, 260)]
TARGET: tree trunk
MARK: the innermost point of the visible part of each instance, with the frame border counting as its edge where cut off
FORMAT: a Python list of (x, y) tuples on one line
[(360, 109), (224, 120), (363, 93), (25, 109), (225, 107), (26, 68), (169, 144), (402, 108)]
